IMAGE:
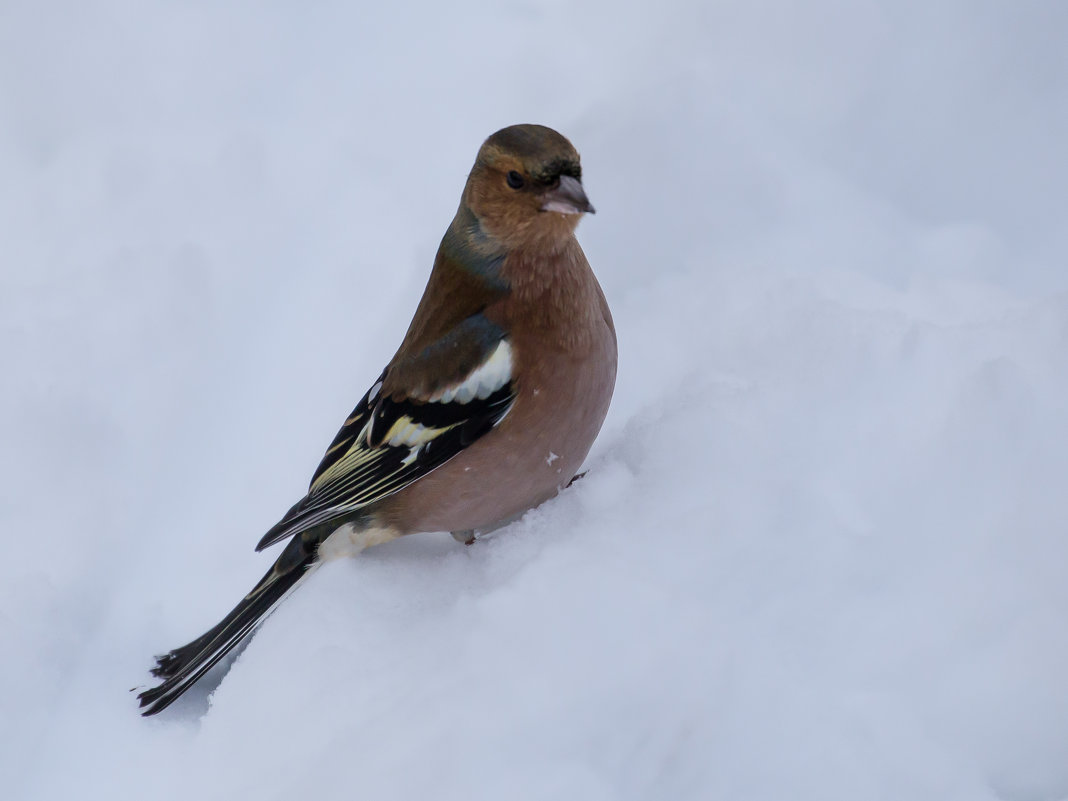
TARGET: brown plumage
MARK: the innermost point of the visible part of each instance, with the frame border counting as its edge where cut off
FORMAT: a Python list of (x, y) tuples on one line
[(487, 409), (565, 356)]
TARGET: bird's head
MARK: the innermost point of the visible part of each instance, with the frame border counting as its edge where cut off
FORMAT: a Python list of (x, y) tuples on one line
[(526, 187)]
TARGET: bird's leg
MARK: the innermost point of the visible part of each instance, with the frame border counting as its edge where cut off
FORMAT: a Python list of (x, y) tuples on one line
[(576, 478), (467, 536)]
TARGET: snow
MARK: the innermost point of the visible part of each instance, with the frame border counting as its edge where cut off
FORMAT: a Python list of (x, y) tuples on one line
[(820, 552)]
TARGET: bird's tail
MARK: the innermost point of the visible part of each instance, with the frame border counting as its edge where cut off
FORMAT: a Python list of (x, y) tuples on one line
[(181, 668)]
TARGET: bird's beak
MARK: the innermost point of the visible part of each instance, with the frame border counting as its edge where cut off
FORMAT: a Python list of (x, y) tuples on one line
[(567, 198)]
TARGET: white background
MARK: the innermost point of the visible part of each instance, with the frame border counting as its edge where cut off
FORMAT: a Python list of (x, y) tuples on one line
[(821, 552)]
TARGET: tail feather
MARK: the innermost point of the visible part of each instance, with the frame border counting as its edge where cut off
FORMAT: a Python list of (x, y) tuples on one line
[(182, 667)]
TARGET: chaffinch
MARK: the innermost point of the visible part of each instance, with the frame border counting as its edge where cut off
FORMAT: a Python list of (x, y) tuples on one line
[(489, 406)]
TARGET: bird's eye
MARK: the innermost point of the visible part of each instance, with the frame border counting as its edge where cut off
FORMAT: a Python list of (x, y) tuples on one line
[(515, 180)]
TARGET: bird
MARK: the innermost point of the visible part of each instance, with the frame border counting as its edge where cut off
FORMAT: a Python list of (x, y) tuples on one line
[(487, 409)]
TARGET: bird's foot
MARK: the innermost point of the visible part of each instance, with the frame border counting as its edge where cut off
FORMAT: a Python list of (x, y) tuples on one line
[(467, 537), (576, 478)]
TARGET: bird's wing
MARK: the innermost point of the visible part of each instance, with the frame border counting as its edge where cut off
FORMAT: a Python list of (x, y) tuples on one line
[(391, 440)]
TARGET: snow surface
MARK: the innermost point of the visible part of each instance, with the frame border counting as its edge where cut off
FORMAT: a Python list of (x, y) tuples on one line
[(821, 552)]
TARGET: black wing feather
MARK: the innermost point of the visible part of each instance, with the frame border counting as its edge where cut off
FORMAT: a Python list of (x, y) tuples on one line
[(360, 468)]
